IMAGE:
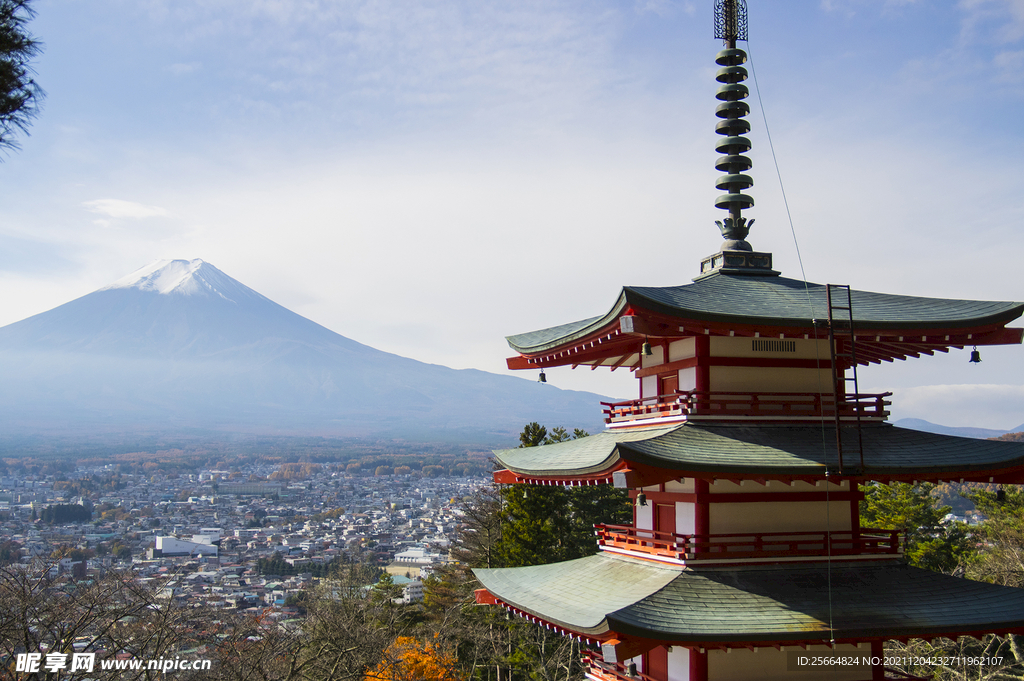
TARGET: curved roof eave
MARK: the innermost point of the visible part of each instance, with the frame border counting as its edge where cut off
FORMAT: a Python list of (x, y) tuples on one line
[(997, 314), (555, 336), (793, 602), (775, 302), (597, 585), (782, 602), (766, 450), (596, 453)]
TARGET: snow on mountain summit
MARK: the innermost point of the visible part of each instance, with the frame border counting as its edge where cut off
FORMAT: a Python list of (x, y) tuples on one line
[(182, 277)]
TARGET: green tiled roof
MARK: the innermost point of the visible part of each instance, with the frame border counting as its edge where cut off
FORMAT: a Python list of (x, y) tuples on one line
[(585, 455), (755, 603), (577, 593), (764, 450), (776, 301)]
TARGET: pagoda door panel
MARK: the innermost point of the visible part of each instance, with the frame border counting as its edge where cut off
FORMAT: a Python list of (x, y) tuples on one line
[(665, 517), (668, 384)]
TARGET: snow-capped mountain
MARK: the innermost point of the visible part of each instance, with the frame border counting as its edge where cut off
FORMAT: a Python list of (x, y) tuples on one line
[(179, 344), (184, 277)]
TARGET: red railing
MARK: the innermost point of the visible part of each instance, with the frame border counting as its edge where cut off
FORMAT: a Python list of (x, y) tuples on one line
[(600, 670), (694, 404), (865, 541), (597, 668)]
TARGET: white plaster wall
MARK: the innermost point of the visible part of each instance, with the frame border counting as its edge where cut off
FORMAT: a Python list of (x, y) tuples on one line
[(780, 516), (649, 386), (725, 346), (688, 379), (684, 486), (681, 349), (678, 664), (771, 379), (769, 664), (754, 487), (686, 522), (656, 357), (645, 517)]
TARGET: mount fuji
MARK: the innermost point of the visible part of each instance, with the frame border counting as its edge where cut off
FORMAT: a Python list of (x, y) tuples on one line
[(179, 345)]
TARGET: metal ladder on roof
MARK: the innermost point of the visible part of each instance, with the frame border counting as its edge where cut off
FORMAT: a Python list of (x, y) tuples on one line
[(844, 355)]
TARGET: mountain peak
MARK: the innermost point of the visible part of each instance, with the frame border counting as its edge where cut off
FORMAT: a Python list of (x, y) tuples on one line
[(180, 347), (181, 277)]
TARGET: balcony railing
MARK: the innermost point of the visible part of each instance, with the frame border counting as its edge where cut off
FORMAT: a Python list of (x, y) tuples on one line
[(725, 405), (690, 547), (600, 670)]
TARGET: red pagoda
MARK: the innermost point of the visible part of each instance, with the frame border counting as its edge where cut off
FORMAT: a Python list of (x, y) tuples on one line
[(743, 455)]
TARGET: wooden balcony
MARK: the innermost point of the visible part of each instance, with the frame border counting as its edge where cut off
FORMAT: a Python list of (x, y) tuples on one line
[(599, 670), (759, 545), (694, 405)]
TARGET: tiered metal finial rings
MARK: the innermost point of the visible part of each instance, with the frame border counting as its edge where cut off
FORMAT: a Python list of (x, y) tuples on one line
[(733, 111)]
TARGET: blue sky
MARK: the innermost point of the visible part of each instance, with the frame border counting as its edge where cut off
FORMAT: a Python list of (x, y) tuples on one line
[(427, 177)]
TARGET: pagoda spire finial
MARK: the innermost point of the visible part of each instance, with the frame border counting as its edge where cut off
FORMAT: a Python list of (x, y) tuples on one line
[(730, 21), (731, 26)]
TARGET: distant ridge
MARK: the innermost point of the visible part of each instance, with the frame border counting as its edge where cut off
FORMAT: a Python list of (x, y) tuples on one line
[(179, 345), (977, 433)]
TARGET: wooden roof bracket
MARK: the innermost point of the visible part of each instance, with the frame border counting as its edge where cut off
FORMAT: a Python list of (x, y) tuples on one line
[(621, 649)]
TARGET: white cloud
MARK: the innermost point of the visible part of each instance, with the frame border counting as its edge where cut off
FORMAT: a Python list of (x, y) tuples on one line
[(1011, 65), (116, 208), (1003, 19)]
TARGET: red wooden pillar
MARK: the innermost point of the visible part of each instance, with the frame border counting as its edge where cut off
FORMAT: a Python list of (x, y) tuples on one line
[(878, 653), (656, 664), (855, 515), (702, 377), (701, 510), (698, 665)]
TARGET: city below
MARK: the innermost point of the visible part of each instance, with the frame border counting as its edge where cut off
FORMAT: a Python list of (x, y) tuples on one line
[(249, 537)]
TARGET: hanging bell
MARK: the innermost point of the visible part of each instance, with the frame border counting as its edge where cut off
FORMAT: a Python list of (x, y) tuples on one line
[(542, 378), (641, 499), (646, 349), (1000, 495), (631, 670), (975, 356)]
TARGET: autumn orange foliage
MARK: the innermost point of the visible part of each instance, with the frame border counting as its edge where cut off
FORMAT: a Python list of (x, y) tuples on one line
[(409, 660)]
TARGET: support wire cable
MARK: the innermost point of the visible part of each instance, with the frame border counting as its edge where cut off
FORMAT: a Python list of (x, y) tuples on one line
[(817, 355)]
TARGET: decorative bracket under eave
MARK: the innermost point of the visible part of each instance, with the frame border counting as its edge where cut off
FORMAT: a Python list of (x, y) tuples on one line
[(507, 477), (620, 650)]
